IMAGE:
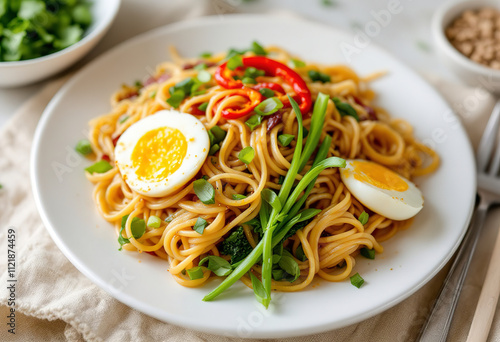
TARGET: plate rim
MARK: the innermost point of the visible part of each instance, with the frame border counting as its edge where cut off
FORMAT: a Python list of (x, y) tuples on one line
[(172, 318)]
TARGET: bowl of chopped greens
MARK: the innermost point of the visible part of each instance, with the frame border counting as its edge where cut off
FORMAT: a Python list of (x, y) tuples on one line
[(39, 38)]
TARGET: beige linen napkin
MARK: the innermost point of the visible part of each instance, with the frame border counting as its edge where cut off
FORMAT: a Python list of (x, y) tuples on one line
[(55, 302)]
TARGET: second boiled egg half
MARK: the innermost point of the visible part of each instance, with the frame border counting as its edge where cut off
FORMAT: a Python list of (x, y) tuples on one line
[(382, 190), (160, 153)]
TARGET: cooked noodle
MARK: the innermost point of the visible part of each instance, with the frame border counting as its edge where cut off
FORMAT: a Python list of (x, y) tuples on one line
[(330, 241)]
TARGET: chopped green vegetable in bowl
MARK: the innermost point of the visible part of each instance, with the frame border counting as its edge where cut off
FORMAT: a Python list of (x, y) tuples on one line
[(35, 28)]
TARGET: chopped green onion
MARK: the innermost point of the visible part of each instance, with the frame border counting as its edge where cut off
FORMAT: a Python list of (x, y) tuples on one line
[(248, 80), (137, 226), (269, 106), (200, 67), (363, 217), (200, 225), (206, 54), (367, 253), (195, 273), (220, 266), (83, 147), (299, 253), (153, 94), (204, 76), (246, 155), (238, 197), (203, 107), (123, 118), (254, 72), (213, 149), (169, 219), (254, 121), (357, 280), (154, 221), (204, 190), (258, 49), (297, 63), (285, 139), (138, 84), (234, 62), (270, 197), (176, 98), (266, 92), (345, 108), (205, 177), (317, 76), (101, 166), (218, 133)]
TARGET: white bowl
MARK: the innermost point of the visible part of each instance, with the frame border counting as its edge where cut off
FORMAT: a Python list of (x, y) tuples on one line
[(13, 74), (470, 72)]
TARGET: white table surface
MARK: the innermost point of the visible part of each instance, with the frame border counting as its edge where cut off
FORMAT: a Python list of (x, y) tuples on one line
[(407, 34)]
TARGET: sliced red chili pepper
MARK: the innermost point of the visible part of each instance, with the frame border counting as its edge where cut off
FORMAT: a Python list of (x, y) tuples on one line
[(195, 111), (224, 78), (106, 158), (273, 86), (115, 140), (254, 98)]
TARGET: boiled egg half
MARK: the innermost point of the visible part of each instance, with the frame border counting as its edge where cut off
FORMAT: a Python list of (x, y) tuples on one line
[(382, 190), (160, 153)]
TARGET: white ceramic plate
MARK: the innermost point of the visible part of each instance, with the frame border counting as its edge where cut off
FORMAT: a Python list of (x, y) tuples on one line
[(411, 258)]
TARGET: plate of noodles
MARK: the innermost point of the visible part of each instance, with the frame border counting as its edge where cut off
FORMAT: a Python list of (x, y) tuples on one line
[(208, 170)]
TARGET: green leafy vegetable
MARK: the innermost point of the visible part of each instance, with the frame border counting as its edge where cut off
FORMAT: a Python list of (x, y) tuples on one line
[(101, 166), (204, 190), (260, 292), (236, 246), (289, 265), (216, 264), (83, 147), (200, 225), (357, 280), (246, 155), (299, 253), (345, 108), (285, 139)]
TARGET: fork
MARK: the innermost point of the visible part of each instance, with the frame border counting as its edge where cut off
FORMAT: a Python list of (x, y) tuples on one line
[(438, 322)]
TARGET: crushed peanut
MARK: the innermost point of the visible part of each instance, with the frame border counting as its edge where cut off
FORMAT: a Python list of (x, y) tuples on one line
[(476, 34)]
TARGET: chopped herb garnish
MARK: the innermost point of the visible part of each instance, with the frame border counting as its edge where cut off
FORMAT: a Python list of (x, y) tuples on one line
[(299, 253), (357, 281), (363, 217), (246, 155), (238, 197), (137, 226), (289, 265), (176, 98), (248, 80), (204, 190), (123, 118), (254, 72), (345, 108), (203, 107), (234, 62), (213, 149), (258, 49), (199, 67), (254, 121), (200, 225), (153, 94), (205, 54), (220, 266), (367, 253), (297, 63), (285, 139), (138, 84), (269, 106), (266, 92), (195, 273), (154, 221), (236, 245), (83, 147), (317, 76), (101, 166), (204, 76), (169, 219)]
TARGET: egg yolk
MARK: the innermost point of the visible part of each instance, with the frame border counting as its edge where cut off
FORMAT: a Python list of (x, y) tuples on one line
[(378, 175), (159, 153)]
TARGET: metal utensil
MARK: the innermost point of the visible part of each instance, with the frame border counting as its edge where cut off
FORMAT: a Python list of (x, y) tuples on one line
[(438, 323)]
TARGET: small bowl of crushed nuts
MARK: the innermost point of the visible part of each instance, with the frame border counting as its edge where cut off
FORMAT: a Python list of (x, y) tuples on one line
[(467, 36)]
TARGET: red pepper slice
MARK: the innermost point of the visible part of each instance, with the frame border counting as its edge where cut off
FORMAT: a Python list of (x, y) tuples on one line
[(254, 98), (272, 68)]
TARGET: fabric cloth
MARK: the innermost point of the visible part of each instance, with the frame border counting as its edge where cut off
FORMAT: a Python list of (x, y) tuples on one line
[(55, 302)]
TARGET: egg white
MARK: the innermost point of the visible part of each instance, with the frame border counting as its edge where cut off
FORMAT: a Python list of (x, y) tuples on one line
[(395, 205), (198, 144)]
